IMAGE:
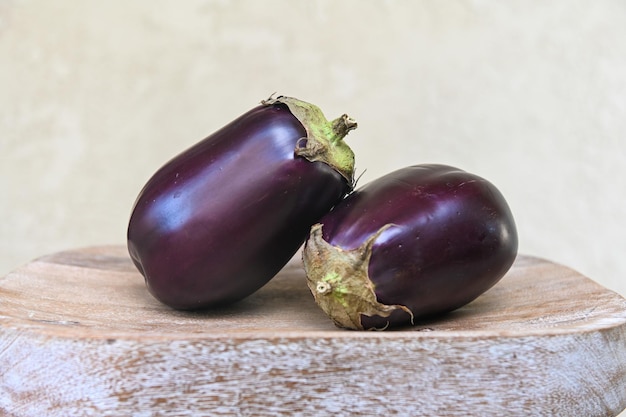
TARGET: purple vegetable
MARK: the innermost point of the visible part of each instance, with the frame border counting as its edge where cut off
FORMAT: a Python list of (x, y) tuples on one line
[(418, 242), (219, 220)]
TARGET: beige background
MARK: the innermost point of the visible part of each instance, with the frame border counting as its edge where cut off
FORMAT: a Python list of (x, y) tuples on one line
[(95, 96)]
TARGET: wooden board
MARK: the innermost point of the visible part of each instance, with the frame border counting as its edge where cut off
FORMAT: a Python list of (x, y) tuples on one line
[(80, 335)]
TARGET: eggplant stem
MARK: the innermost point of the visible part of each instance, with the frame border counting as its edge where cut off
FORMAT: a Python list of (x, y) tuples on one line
[(341, 126), (324, 138), (339, 281), (323, 287)]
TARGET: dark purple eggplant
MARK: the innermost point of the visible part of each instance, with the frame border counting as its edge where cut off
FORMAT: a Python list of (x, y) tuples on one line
[(415, 243), (218, 221)]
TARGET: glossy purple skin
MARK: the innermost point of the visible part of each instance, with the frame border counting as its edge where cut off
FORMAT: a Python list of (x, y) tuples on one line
[(454, 238), (219, 220)]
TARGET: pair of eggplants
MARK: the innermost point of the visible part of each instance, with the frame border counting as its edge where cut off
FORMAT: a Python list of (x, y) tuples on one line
[(218, 221)]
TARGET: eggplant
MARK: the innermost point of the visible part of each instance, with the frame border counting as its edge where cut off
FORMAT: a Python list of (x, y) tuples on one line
[(416, 243), (218, 221)]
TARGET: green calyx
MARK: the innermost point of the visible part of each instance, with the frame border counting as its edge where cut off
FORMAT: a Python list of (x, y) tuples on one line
[(324, 141), (339, 281)]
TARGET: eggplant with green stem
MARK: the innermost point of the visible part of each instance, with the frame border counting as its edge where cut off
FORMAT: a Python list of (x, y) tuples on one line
[(218, 221), (418, 242)]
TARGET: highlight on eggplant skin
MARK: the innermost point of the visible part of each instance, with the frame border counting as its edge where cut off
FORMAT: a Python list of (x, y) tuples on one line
[(416, 243), (218, 221)]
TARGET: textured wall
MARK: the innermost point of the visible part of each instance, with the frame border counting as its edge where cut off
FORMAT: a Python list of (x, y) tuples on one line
[(95, 96)]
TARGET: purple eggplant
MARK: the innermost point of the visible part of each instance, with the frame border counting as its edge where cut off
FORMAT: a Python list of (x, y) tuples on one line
[(218, 221), (418, 242)]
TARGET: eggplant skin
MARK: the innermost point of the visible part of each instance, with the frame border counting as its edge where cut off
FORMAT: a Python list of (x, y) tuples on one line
[(218, 221), (452, 237)]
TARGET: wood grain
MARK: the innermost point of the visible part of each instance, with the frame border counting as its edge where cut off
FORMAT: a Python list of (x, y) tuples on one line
[(81, 336)]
